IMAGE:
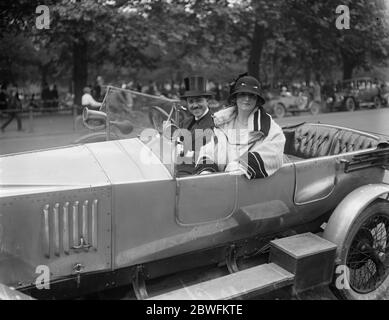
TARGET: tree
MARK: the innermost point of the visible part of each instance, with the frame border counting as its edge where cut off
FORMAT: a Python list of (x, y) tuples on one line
[(92, 31), (328, 45)]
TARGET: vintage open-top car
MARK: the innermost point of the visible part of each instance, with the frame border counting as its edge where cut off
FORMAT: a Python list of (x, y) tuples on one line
[(110, 213), (280, 105)]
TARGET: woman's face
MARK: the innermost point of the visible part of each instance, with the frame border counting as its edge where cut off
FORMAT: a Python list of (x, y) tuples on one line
[(246, 101)]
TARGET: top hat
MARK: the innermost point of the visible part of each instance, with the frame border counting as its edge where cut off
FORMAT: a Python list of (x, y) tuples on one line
[(248, 84), (195, 86)]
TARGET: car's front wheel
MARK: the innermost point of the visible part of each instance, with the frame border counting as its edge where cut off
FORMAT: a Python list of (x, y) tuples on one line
[(365, 255), (349, 104), (279, 110)]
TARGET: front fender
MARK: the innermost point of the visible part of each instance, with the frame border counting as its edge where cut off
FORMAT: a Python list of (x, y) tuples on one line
[(348, 210), (6, 293)]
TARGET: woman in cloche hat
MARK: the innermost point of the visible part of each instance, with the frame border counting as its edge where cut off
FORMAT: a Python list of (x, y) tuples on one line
[(248, 140)]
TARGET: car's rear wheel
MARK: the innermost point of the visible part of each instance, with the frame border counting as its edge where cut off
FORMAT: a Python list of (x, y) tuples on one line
[(315, 108), (349, 104), (279, 110), (377, 102), (365, 253)]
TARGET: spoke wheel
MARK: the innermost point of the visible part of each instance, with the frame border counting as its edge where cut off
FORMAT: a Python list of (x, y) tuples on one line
[(279, 110), (315, 108), (366, 254), (350, 104)]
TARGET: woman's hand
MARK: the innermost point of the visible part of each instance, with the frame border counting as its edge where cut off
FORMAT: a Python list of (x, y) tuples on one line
[(234, 166)]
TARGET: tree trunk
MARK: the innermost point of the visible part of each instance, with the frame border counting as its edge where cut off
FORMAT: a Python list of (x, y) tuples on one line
[(80, 68), (307, 75), (257, 44), (44, 68), (348, 65), (347, 70)]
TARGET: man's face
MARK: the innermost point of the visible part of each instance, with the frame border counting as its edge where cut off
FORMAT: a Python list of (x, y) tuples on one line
[(197, 105)]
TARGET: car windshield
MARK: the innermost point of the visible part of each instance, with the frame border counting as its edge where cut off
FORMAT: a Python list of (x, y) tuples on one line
[(131, 108), (128, 114)]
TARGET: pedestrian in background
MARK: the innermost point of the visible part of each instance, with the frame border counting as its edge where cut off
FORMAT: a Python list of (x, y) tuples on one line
[(3, 98), (317, 91), (15, 106), (54, 96), (46, 96), (88, 101), (97, 91)]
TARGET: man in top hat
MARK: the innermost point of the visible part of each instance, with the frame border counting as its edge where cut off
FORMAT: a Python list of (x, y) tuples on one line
[(196, 97), (201, 120)]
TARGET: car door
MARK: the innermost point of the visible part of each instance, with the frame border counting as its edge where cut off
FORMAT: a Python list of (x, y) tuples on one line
[(205, 198), (315, 180)]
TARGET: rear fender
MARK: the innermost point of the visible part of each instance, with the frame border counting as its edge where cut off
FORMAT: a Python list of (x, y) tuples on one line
[(348, 210)]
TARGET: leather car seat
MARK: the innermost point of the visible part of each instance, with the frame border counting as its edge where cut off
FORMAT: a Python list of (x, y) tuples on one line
[(310, 141), (347, 141)]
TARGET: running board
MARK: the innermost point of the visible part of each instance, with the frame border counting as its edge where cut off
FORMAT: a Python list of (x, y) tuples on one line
[(301, 262), (243, 284)]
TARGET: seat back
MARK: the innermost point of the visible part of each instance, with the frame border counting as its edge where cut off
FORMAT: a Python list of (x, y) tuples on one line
[(347, 141), (316, 140)]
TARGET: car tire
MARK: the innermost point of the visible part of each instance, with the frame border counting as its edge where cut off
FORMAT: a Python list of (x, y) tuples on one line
[(368, 240), (279, 110), (349, 104), (314, 108), (377, 102)]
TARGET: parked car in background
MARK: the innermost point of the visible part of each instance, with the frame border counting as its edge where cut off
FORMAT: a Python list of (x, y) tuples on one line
[(357, 93), (280, 105), (385, 93)]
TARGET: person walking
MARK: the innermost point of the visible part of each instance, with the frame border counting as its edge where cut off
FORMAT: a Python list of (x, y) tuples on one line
[(15, 106)]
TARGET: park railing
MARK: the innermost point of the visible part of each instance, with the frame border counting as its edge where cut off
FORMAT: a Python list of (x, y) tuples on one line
[(39, 108)]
